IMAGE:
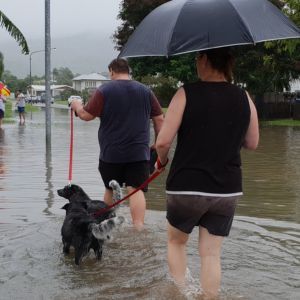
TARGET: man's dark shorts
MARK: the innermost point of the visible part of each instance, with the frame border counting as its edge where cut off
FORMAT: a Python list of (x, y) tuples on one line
[(131, 174), (184, 212), (1, 114)]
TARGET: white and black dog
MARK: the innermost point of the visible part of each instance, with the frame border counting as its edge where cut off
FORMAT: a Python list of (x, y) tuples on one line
[(85, 227)]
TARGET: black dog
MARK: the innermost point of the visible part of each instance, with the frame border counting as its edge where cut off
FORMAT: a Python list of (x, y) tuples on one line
[(81, 229), (76, 232)]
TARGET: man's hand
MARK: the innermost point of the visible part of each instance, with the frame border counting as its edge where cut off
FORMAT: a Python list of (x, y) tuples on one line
[(73, 99)]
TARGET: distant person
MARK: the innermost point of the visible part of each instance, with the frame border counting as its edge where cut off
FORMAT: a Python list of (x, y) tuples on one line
[(2, 109), (213, 119), (124, 107), (21, 106)]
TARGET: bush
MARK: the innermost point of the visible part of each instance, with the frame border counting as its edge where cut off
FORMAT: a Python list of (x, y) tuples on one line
[(67, 93), (164, 88)]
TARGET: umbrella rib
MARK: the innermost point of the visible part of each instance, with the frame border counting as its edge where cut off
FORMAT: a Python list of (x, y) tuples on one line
[(175, 23), (242, 20)]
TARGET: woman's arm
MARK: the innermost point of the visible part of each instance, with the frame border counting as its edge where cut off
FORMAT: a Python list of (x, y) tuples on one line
[(170, 125), (252, 135)]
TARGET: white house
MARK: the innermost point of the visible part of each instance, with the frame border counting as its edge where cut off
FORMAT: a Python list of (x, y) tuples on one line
[(88, 81), (295, 85), (38, 90)]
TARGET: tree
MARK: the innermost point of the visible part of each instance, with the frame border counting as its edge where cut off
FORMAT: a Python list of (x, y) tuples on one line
[(131, 14), (63, 76), (14, 83), (15, 33), (1, 65), (13, 30)]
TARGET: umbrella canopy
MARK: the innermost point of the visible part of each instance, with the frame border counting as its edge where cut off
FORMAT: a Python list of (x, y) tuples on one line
[(182, 26), (4, 90)]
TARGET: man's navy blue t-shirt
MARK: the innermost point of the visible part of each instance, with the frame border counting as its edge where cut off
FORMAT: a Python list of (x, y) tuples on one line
[(124, 132)]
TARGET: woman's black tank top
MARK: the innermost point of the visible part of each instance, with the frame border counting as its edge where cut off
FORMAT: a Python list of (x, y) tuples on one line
[(207, 157)]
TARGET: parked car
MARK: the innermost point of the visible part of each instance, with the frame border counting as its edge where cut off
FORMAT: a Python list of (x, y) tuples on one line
[(43, 99), (32, 99)]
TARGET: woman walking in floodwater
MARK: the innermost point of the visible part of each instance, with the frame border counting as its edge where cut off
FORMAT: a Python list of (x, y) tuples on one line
[(213, 119)]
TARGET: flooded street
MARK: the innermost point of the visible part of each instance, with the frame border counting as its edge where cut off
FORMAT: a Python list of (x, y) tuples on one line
[(261, 258)]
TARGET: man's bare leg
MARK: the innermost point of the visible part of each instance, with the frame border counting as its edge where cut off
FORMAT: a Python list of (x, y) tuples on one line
[(137, 204), (108, 197)]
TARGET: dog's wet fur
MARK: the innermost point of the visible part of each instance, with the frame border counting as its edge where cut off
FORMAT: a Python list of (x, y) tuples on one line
[(81, 228)]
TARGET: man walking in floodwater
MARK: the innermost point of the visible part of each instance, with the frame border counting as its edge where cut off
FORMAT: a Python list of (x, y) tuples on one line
[(124, 107)]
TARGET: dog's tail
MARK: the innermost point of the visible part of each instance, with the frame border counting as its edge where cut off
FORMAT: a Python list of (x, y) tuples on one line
[(117, 191), (103, 230)]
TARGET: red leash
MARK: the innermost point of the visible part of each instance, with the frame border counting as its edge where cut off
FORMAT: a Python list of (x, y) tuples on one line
[(71, 150), (144, 184)]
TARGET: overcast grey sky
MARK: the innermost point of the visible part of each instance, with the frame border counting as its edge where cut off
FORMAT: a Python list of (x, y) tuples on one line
[(80, 30)]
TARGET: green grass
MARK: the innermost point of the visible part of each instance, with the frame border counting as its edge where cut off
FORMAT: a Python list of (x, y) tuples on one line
[(8, 111), (30, 107), (280, 122), (64, 102)]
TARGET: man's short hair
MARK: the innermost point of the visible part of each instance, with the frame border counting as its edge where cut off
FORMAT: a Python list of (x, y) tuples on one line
[(119, 65)]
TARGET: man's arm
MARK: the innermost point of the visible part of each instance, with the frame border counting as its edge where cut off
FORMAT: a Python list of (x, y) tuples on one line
[(80, 112), (157, 124)]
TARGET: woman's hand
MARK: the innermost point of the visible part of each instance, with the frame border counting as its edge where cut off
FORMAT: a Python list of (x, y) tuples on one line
[(159, 166)]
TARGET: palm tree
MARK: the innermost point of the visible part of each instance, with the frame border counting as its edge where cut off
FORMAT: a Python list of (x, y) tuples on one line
[(14, 32), (1, 65)]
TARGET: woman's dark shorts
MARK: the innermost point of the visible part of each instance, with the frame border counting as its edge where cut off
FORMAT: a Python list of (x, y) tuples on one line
[(21, 109), (131, 174), (1, 114), (184, 212)]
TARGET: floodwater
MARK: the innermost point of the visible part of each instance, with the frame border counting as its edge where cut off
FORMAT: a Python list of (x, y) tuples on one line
[(260, 259)]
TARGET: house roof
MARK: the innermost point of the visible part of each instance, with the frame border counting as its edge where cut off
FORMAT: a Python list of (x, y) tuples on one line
[(92, 76)]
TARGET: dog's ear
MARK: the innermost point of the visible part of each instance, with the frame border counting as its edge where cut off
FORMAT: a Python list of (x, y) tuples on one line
[(66, 206)]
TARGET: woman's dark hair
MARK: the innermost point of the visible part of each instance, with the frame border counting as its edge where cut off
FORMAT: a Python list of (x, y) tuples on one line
[(222, 60), (119, 65)]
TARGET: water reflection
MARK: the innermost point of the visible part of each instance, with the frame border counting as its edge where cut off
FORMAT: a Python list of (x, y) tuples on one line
[(2, 157), (261, 259), (49, 187)]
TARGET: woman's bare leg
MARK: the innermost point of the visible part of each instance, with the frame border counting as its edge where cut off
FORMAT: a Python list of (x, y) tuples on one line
[(176, 254), (210, 253)]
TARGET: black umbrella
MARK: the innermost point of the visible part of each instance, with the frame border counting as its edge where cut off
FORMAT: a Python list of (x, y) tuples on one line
[(182, 26)]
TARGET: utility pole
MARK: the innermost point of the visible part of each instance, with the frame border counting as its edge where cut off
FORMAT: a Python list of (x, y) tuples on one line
[(47, 73)]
